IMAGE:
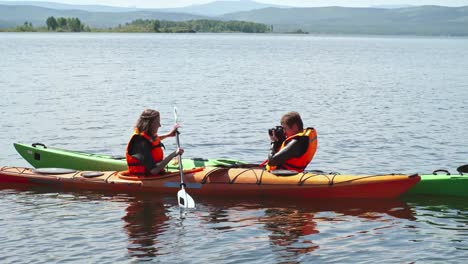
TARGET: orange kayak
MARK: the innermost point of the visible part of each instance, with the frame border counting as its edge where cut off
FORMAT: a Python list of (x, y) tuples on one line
[(215, 181)]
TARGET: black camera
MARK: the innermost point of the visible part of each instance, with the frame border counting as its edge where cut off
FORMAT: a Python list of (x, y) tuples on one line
[(279, 132)]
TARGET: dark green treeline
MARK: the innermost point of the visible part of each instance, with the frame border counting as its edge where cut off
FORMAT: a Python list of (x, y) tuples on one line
[(73, 24), (70, 24), (203, 25)]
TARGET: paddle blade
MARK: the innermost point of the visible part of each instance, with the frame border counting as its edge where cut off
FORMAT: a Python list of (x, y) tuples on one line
[(184, 199), (176, 117)]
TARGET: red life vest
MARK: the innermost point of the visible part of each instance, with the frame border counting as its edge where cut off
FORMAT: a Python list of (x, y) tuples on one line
[(300, 163), (134, 165)]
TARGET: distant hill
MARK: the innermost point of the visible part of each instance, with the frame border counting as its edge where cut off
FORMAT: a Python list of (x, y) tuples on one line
[(6, 24), (17, 15), (423, 20), (60, 6), (390, 6), (210, 9), (221, 7)]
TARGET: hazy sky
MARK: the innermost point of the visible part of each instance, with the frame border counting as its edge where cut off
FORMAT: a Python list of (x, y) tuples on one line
[(301, 3)]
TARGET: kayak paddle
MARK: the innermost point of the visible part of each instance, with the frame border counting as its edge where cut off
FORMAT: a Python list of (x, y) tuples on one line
[(184, 199)]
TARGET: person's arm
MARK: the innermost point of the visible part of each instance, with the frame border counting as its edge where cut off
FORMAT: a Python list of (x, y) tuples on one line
[(162, 164), (171, 133), (294, 148)]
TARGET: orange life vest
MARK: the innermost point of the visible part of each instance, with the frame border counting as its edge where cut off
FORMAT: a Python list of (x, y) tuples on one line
[(300, 163), (134, 165)]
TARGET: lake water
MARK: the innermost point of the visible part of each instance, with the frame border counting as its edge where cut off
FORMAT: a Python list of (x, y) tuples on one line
[(379, 104)]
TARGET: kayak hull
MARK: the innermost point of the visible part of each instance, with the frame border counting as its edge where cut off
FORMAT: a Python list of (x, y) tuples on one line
[(441, 185), (235, 182), (40, 156)]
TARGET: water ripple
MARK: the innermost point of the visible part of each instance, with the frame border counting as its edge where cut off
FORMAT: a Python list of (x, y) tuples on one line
[(379, 106)]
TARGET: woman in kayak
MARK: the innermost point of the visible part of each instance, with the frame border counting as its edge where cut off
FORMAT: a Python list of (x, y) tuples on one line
[(292, 146), (144, 153)]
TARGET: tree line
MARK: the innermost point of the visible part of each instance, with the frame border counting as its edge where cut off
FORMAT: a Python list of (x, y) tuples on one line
[(73, 24), (60, 24), (201, 25)]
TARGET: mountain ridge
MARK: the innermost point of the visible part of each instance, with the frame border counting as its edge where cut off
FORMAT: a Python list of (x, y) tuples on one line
[(416, 20), (215, 8)]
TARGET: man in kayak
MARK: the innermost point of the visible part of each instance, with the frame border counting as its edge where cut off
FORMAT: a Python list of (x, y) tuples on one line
[(292, 146), (144, 153)]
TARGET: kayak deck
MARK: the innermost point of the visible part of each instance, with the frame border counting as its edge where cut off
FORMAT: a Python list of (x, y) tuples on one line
[(441, 185), (212, 181), (41, 156)]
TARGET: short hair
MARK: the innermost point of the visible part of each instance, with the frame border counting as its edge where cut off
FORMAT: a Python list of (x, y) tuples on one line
[(292, 118), (146, 120)]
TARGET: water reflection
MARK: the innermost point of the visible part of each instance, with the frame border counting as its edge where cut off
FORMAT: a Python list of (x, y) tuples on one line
[(295, 229), (437, 203), (293, 226), (444, 212), (145, 219), (288, 227), (279, 231)]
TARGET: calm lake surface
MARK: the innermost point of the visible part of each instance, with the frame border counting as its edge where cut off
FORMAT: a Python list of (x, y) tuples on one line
[(379, 104)]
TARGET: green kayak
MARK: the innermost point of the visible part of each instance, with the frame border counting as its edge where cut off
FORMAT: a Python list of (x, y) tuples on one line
[(41, 156), (443, 184)]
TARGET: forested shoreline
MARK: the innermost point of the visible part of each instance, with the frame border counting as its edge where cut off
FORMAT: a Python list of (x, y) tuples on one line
[(73, 24)]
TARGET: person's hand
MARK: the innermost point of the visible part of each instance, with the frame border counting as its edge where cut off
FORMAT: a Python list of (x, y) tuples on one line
[(179, 151), (173, 132), (273, 137)]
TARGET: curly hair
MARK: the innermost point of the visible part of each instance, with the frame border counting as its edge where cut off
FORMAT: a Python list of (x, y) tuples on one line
[(146, 120)]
